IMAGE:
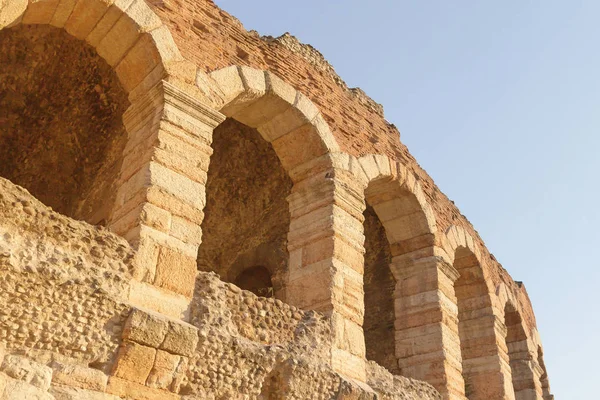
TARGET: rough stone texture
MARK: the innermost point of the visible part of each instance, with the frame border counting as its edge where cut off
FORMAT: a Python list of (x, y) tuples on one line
[(64, 120), (265, 349), (246, 215), (62, 282)]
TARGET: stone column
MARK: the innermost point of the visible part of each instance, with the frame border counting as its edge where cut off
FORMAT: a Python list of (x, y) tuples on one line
[(487, 375), (427, 342), (326, 264), (161, 194), (525, 371)]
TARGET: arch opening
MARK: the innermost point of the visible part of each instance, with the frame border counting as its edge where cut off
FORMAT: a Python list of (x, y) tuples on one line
[(61, 108), (247, 214), (256, 280), (379, 286), (395, 224), (518, 354), (475, 331)]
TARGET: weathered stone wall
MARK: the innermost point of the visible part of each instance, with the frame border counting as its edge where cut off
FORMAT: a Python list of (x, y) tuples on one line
[(266, 349), (213, 39), (63, 283), (61, 130)]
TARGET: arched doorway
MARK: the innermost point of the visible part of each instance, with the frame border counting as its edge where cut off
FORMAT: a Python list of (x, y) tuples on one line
[(61, 106)]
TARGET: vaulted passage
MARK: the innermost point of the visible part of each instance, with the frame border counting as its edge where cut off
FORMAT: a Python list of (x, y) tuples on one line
[(61, 130), (379, 287), (246, 215)]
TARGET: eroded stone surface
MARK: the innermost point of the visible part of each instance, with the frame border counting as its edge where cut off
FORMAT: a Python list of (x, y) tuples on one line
[(61, 134)]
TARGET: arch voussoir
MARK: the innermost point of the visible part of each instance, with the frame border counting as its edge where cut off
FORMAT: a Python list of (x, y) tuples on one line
[(284, 117)]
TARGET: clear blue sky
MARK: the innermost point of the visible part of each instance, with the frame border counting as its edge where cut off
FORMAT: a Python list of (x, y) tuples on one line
[(499, 102)]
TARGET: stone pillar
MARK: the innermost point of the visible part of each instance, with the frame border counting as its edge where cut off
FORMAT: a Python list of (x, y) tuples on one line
[(161, 194), (525, 371), (487, 375), (326, 264), (427, 342)]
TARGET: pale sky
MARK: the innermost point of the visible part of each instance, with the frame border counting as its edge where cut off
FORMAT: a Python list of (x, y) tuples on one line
[(499, 102)]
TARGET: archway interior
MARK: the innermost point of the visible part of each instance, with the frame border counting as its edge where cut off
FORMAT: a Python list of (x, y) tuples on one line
[(472, 300), (244, 232), (256, 280), (61, 130), (518, 354), (379, 286)]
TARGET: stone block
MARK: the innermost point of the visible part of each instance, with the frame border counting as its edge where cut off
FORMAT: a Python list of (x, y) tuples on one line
[(27, 370), (84, 17), (180, 186), (13, 13), (155, 217), (186, 231), (138, 63), (132, 390), (299, 146), (134, 362), (181, 339), (163, 371), (156, 299), (62, 13), (19, 390), (176, 272), (78, 376), (70, 393), (40, 12), (145, 328)]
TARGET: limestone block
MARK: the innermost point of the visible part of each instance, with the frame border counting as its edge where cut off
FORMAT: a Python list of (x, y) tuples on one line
[(299, 146), (138, 63), (180, 186), (155, 217), (145, 328), (11, 11), (152, 298), (62, 13), (28, 371), (69, 393), (132, 390), (254, 108), (40, 11), (175, 206), (176, 272), (163, 371), (19, 390), (107, 21), (77, 376), (181, 339), (85, 16), (186, 231), (134, 362), (229, 81)]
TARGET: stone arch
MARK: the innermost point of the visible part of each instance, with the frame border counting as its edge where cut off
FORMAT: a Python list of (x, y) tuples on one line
[(397, 221), (126, 33), (260, 104), (282, 115), (139, 50)]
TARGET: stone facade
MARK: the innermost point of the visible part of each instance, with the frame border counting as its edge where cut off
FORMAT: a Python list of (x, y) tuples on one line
[(232, 222)]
